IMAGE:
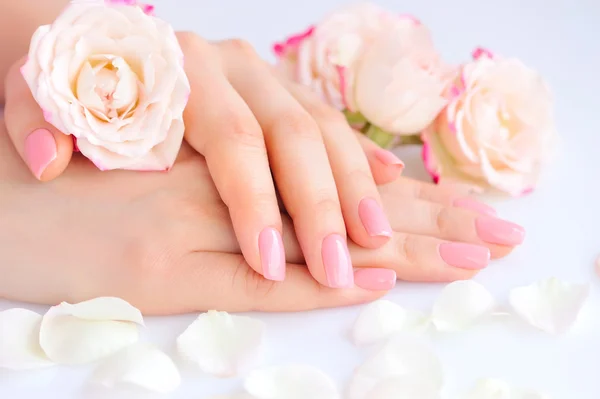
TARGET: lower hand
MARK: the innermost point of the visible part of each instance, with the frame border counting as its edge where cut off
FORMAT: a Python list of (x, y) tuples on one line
[(165, 242)]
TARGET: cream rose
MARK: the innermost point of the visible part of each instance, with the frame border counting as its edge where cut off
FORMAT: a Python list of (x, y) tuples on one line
[(497, 130), (400, 80), (112, 77), (322, 57)]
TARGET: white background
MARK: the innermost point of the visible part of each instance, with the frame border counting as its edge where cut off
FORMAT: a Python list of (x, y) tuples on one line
[(562, 218)]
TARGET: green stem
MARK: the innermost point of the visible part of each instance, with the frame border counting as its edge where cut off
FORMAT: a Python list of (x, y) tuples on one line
[(410, 140), (381, 138), (354, 118)]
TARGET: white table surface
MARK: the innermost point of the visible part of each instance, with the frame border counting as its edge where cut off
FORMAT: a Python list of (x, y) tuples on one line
[(562, 218)]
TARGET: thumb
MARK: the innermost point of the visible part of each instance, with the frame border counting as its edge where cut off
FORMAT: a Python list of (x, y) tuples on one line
[(46, 150)]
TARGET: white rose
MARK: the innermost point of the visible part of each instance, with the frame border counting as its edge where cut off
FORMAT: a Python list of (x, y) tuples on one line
[(497, 130), (113, 77)]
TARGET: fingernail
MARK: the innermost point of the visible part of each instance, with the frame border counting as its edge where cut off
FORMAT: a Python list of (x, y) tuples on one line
[(375, 279), (336, 259), (498, 231), (374, 218), (465, 256), (272, 254), (40, 151), (388, 158), (474, 205)]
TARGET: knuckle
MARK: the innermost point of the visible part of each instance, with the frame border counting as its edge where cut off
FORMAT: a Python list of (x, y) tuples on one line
[(442, 219), (243, 131), (361, 178), (326, 204), (329, 116), (241, 46), (189, 40), (257, 289), (299, 125), (408, 249)]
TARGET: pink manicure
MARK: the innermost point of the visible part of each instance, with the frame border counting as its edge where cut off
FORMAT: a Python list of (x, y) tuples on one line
[(375, 279), (498, 231), (388, 158), (374, 219), (336, 259), (474, 205), (465, 256), (40, 151), (272, 254)]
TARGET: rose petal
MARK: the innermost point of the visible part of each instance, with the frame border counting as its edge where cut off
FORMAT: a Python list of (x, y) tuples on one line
[(290, 382), (460, 305), (403, 357), (141, 364), (404, 388), (383, 318), (491, 388), (221, 344), (88, 331), (19, 340), (551, 305)]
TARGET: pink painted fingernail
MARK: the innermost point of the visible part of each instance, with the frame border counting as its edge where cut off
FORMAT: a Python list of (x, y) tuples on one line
[(272, 254), (388, 158), (498, 231), (375, 279), (474, 205), (336, 259), (40, 151), (465, 256), (374, 218)]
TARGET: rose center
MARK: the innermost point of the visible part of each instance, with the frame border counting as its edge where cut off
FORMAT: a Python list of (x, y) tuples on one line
[(107, 87)]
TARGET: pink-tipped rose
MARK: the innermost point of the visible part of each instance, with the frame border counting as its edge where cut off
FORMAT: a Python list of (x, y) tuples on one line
[(112, 76), (323, 56), (399, 82), (497, 129)]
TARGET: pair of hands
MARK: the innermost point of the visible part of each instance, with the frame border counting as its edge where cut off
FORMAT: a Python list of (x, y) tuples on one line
[(191, 239)]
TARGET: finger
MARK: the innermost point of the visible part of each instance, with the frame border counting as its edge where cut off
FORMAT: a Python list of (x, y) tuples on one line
[(366, 222), (300, 165), (221, 281), (449, 195), (415, 216), (45, 150), (426, 259), (222, 128), (386, 167)]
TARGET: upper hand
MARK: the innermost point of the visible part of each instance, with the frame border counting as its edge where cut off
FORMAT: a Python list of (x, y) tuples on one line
[(260, 136)]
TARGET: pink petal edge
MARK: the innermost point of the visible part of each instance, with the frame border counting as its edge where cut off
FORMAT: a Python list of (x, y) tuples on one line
[(426, 155), (411, 18), (281, 48), (482, 52), (341, 70)]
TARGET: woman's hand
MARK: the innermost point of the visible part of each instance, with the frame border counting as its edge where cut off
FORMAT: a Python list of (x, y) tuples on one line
[(164, 241), (260, 137)]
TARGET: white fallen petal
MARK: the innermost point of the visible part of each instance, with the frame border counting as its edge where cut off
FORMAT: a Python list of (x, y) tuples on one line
[(551, 305), (88, 331), (404, 388), (492, 388), (381, 319), (290, 382), (221, 344), (489, 388), (460, 305), (402, 357), (19, 340), (233, 396), (141, 365)]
